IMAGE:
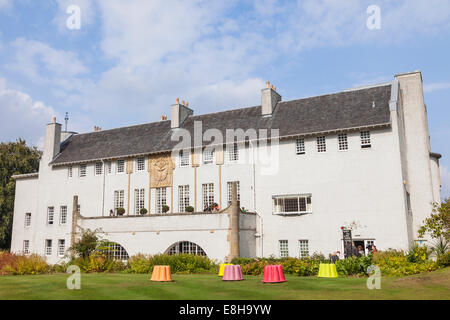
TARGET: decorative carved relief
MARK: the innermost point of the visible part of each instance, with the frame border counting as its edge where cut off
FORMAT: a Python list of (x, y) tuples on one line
[(161, 171)]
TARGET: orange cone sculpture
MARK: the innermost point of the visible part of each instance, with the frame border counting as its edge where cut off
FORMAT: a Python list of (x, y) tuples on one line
[(161, 273)]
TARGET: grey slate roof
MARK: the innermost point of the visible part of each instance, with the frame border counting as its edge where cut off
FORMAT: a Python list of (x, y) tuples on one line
[(326, 113)]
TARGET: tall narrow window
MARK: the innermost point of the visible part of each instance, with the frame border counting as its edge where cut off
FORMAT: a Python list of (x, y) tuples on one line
[(82, 170), (70, 171), (98, 168), (284, 248), (118, 200), (26, 246), (27, 219), (233, 152), (50, 215), (63, 215), (48, 247), (321, 144), (120, 166), (342, 141), (161, 199), (208, 156), (230, 190), (365, 140), (61, 247), (303, 246), (139, 200), (183, 198), (140, 164), (208, 194), (300, 146), (108, 167), (184, 158)]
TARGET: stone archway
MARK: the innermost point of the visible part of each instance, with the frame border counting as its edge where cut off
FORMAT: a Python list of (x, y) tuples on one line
[(186, 247)]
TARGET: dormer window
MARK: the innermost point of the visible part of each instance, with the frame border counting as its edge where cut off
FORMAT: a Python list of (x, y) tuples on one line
[(120, 166), (233, 152), (140, 164), (82, 170), (208, 156), (321, 145), (300, 146), (365, 140), (184, 158)]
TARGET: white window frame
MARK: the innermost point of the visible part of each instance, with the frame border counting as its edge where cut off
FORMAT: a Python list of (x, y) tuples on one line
[(208, 194), (120, 166), (69, 171), (82, 170), (229, 191), (27, 222), (233, 152), (48, 247), (303, 200), (321, 143), (283, 248), (184, 158), (342, 142), (63, 215), (183, 197), (160, 199), (98, 168), (300, 147), (50, 215), (108, 167), (139, 200), (140, 164), (303, 248), (366, 140), (119, 200), (208, 156), (61, 247), (26, 246)]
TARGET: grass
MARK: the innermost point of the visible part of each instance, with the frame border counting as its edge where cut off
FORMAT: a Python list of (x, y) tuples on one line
[(433, 285)]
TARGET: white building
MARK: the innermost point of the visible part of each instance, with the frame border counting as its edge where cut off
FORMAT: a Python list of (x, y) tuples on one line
[(360, 157)]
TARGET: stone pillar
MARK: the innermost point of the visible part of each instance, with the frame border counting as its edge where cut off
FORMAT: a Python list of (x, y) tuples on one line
[(234, 224), (75, 214)]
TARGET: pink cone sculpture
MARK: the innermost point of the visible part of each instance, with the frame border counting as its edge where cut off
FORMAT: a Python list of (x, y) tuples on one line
[(232, 273), (273, 274)]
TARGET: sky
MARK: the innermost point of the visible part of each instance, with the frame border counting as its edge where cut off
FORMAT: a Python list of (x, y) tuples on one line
[(129, 60)]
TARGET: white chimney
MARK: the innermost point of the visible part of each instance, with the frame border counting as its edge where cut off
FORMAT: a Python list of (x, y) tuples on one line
[(269, 99), (179, 113), (52, 141)]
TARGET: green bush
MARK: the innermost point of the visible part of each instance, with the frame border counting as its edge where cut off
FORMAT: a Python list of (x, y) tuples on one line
[(396, 263), (19, 264), (143, 211), (418, 254), (444, 259), (97, 263), (189, 209), (165, 208)]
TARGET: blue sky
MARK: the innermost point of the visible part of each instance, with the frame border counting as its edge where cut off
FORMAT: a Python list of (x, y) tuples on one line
[(130, 60)]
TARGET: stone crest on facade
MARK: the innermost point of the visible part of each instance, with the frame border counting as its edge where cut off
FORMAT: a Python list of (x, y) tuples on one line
[(161, 169)]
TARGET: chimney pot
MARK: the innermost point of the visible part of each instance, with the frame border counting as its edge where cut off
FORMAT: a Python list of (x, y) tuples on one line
[(182, 102), (187, 104), (54, 119), (267, 84), (178, 100)]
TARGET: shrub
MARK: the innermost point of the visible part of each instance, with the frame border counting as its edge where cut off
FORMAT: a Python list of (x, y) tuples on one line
[(165, 208), (143, 211), (97, 263), (87, 244), (189, 209), (19, 264), (120, 211), (418, 254), (396, 263), (444, 259)]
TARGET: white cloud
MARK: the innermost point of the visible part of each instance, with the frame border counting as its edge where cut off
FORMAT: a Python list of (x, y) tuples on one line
[(22, 117), (430, 87), (445, 180), (5, 4)]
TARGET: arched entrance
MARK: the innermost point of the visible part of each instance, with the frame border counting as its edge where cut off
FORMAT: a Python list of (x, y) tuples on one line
[(185, 247), (115, 251)]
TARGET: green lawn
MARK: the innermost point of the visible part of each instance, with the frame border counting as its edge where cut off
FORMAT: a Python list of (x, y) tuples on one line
[(434, 285)]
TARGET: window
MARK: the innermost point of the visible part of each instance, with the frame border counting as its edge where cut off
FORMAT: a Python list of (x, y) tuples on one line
[(321, 144), (98, 168), (70, 172), (342, 141), (161, 199), (208, 194), (63, 215), (26, 246), (139, 200), (27, 219), (140, 164), (208, 156), (48, 247), (233, 152), (303, 246), (79, 209), (230, 190), (50, 215), (115, 251), (108, 167), (183, 198), (365, 140), (61, 247), (187, 248), (300, 146), (184, 158), (118, 200), (292, 204), (284, 249), (83, 170), (120, 166)]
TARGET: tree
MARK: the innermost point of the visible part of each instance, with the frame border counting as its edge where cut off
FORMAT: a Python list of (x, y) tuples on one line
[(438, 224), (15, 158), (87, 244)]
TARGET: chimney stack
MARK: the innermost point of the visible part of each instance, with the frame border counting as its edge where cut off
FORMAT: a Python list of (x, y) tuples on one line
[(52, 141), (179, 113), (269, 99)]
